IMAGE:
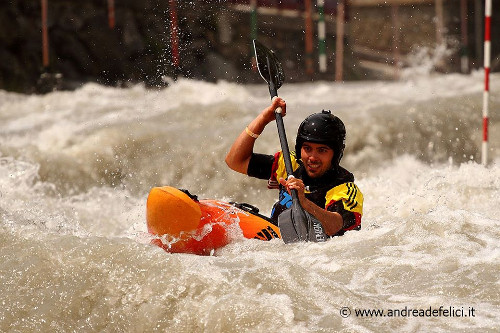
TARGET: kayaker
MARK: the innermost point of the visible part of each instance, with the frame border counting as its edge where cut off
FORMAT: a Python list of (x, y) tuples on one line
[(325, 189)]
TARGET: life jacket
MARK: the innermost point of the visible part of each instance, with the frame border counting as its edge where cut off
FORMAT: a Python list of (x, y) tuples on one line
[(335, 188)]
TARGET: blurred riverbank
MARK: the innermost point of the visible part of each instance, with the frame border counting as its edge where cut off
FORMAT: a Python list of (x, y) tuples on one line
[(214, 43)]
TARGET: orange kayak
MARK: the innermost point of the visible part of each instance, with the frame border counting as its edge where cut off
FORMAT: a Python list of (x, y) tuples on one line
[(185, 224)]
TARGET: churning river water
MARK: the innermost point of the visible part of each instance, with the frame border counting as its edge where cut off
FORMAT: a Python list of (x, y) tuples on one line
[(76, 168)]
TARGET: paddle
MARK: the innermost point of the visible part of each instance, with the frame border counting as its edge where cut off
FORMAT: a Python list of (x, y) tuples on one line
[(295, 223)]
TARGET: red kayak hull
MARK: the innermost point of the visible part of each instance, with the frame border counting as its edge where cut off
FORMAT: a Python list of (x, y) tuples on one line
[(183, 224)]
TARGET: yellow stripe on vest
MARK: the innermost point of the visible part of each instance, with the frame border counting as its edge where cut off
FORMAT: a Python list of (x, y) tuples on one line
[(351, 197), (281, 171)]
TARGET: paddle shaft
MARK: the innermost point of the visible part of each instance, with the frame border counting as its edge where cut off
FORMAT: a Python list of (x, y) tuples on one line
[(283, 141)]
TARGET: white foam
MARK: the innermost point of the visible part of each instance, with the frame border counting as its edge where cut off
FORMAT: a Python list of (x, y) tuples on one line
[(76, 167)]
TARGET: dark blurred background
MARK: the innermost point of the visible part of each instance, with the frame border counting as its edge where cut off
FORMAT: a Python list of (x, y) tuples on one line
[(85, 43)]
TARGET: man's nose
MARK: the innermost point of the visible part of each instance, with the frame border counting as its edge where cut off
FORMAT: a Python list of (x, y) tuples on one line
[(313, 155)]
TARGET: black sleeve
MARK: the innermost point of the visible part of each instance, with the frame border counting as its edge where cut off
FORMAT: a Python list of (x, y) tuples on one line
[(347, 216), (260, 166)]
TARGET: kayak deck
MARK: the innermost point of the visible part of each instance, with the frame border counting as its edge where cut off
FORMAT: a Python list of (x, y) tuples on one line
[(184, 224)]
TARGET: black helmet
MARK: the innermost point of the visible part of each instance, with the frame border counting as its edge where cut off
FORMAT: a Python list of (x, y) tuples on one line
[(323, 128)]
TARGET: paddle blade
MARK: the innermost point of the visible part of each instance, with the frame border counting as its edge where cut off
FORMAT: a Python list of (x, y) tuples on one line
[(268, 65), (292, 229), (297, 225)]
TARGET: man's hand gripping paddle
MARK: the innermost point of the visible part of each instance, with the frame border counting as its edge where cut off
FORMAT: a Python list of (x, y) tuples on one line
[(295, 223)]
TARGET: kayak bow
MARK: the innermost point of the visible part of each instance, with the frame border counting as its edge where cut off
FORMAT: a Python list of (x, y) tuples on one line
[(184, 224)]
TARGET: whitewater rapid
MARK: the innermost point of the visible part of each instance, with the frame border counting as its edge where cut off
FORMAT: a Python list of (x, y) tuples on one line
[(76, 168)]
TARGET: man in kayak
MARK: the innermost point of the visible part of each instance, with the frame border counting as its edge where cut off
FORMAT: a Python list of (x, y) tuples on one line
[(325, 189)]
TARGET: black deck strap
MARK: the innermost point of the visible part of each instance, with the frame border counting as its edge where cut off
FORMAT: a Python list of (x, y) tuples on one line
[(246, 207), (253, 210), (192, 196)]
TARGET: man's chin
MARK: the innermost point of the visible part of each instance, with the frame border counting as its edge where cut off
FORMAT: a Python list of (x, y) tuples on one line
[(314, 173)]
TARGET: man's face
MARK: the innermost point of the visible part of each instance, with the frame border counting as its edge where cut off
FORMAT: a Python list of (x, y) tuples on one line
[(317, 158)]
